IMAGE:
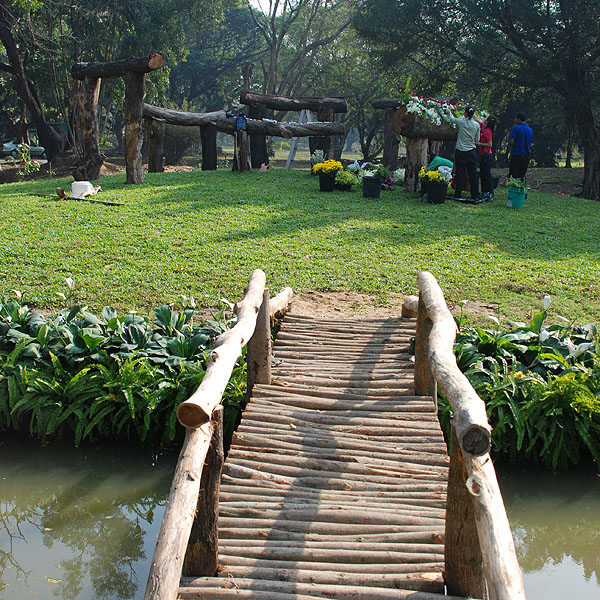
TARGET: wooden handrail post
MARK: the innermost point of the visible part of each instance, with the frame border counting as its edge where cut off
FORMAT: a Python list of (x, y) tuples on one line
[(202, 554), (463, 571), (258, 356), (425, 384)]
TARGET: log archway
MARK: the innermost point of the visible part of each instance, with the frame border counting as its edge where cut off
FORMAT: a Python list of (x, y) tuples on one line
[(133, 70)]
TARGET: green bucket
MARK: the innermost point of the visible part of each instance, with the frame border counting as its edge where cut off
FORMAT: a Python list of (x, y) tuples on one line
[(515, 198)]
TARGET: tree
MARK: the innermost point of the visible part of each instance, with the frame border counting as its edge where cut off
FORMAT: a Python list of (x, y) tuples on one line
[(293, 30), (10, 13), (534, 44)]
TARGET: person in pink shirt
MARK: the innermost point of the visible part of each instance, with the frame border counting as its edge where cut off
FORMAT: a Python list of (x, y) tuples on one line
[(485, 158)]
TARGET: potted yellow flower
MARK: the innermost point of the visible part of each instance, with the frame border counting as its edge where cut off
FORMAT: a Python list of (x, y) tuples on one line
[(327, 171), (435, 184)]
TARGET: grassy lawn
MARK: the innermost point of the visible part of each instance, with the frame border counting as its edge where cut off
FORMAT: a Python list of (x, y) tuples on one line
[(203, 233)]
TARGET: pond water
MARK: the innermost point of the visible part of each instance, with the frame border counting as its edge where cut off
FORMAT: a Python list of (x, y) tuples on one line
[(555, 519), (81, 524)]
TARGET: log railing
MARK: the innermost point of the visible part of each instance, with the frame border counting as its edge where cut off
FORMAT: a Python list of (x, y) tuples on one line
[(480, 552), (192, 505)]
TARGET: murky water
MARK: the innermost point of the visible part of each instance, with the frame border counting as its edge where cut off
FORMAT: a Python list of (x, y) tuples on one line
[(81, 524), (556, 525)]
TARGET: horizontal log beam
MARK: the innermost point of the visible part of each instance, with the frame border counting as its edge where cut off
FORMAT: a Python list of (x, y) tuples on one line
[(117, 68), (392, 103), (254, 127), (294, 103)]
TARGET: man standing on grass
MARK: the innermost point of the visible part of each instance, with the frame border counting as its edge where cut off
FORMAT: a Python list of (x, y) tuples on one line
[(521, 138)]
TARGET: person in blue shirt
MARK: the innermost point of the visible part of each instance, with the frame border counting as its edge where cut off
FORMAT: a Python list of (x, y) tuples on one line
[(521, 138)]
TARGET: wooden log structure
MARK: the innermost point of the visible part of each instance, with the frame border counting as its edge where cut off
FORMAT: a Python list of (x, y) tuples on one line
[(324, 107), (154, 131), (208, 137), (500, 567), (134, 71), (391, 140), (117, 68), (201, 557), (418, 131), (227, 124), (295, 103), (197, 409), (167, 561)]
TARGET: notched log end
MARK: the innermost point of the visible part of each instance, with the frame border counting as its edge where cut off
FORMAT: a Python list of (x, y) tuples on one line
[(191, 415), (476, 440)]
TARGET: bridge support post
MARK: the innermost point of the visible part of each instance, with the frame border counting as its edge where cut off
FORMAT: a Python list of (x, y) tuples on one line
[(463, 571), (202, 554), (258, 356), (425, 384)]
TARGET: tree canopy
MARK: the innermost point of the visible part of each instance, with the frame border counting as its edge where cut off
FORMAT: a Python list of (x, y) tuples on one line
[(527, 44)]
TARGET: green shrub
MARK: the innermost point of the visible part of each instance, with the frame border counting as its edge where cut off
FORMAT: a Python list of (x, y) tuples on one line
[(541, 387), (81, 376)]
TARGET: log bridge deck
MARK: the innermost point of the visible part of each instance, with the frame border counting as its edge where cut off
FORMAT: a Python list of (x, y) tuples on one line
[(335, 483)]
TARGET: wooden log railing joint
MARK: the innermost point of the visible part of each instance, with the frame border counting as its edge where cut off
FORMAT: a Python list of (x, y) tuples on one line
[(258, 355), (463, 572), (198, 409), (202, 554)]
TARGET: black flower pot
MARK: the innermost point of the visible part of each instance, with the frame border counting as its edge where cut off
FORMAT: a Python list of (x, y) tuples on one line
[(326, 182), (371, 187), (436, 192)]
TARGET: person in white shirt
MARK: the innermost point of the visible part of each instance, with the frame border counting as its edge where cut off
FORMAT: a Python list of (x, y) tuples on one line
[(465, 155)]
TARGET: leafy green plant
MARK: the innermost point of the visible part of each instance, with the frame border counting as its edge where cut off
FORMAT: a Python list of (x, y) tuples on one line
[(518, 184), (83, 376), (541, 387), (25, 163)]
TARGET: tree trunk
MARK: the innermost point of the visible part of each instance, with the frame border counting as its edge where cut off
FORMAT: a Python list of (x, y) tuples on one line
[(87, 117), (154, 132), (569, 153), (50, 139), (322, 142), (416, 157), (590, 140), (258, 143), (391, 142), (135, 88), (241, 157), (208, 137)]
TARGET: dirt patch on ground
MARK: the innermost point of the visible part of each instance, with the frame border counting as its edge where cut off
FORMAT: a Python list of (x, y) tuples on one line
[(364, 306), (558, 180)]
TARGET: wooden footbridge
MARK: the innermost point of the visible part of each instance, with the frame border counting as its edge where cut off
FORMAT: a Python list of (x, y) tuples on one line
[(337, 483)]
